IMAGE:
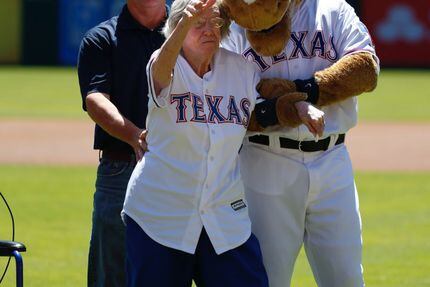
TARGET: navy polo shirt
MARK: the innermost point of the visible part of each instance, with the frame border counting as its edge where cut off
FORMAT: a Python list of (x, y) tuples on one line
[(112, 60)]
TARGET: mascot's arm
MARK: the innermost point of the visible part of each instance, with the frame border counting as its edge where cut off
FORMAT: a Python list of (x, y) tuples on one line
[(350, 76)]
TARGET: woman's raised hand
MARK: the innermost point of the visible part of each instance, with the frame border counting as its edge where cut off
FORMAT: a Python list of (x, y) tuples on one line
[(195, 10)]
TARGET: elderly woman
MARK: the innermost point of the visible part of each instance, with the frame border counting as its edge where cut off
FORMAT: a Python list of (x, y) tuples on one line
[(185, 210)]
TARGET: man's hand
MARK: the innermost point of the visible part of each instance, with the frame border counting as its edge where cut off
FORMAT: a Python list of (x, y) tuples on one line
[(107, 116), (139, 144), (312, 118)]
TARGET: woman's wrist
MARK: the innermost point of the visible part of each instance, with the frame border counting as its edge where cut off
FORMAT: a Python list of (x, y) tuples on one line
[(184, 23)]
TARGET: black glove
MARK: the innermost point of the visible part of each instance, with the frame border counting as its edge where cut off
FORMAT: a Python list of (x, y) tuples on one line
[(310, 87), (265, 113)]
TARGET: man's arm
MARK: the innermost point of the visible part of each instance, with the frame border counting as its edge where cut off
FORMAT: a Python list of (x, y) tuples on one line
[(94, 71), (106, 115)]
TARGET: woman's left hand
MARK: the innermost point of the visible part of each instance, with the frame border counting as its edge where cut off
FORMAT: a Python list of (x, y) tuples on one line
[(312, 118)]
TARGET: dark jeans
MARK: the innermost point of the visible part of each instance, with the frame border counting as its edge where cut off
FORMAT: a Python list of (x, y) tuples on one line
[(152, 264), (106, 262)]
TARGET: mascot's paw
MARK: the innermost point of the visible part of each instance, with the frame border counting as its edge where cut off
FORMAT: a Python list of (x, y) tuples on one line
[(274, 88), (277, 111), (286, 109), (254, 126)]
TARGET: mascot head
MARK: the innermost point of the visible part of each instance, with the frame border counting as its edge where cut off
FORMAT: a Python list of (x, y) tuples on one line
[(267, 22)]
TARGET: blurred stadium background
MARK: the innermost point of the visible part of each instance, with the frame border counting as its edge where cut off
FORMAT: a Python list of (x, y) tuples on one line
[(52, 201), (48, 32)]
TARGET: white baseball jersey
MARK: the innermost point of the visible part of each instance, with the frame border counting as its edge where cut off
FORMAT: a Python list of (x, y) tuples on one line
[(321, 35), (189, 178)]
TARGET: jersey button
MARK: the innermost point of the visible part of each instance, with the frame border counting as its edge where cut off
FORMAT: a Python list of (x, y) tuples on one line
[(211, 158), (212, 132)]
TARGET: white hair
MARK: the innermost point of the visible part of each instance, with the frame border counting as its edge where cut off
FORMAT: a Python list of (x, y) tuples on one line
[(176, 11)]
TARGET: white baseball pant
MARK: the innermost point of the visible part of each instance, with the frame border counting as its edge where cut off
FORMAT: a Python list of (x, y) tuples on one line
[(305, 198)]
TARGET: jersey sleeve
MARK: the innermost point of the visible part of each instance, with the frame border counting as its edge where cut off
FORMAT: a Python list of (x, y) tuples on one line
[(159, 100), (354, 35), (94, 64)]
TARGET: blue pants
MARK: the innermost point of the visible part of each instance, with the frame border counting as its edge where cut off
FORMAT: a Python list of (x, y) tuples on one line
[(106, 261), (152, 264)]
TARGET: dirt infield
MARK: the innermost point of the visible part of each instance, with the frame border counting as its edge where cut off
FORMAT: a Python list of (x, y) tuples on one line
[(373, 146)]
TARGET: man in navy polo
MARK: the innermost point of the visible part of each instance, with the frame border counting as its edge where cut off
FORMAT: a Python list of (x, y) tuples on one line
[(112, 79)]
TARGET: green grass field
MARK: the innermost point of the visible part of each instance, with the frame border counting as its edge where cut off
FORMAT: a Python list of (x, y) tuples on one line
[(54, 92), (52, 208), (39, 93), (400, 96)]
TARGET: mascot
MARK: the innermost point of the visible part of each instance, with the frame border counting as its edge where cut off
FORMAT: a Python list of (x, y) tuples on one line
[(300, 189)]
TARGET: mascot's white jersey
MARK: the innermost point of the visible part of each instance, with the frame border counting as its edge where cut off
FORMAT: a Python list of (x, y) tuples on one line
[(190, 178), (333, 35), (297, 197)]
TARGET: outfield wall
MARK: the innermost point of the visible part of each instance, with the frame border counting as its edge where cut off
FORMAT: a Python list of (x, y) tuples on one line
[(401, 31), (48, 32), (10, 31)]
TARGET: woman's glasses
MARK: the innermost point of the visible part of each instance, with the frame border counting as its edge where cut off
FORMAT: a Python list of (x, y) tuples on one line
[(215, 22)]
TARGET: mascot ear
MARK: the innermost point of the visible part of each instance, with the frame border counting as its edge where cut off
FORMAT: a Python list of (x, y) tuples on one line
[(272, 41)]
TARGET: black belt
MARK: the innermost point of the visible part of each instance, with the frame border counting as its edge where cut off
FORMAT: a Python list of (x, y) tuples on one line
[(117, 155), (306, 146)]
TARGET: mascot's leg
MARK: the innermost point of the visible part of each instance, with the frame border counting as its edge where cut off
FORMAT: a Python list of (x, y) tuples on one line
[(276, 191), (333, 227)]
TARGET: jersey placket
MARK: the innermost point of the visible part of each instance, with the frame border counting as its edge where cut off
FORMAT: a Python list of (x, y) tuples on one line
[(210, 157), (208, 183)]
